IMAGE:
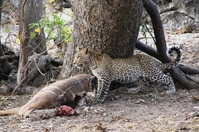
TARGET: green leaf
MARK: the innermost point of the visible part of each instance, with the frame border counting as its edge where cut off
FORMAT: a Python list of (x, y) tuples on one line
[(32, 34)]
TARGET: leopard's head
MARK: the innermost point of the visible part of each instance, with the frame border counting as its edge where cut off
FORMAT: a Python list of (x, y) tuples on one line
[(82, 58)]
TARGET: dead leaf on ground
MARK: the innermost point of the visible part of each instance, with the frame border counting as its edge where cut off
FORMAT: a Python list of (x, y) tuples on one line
[(100, 128)]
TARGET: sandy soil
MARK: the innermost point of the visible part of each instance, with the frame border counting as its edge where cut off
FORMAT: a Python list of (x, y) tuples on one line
[(151, 111)]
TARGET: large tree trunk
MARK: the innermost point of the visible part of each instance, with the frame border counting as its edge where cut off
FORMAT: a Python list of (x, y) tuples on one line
[(30, 11), (106, 26)]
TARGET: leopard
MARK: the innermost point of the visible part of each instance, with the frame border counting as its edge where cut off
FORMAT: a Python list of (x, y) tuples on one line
[(126, 70)]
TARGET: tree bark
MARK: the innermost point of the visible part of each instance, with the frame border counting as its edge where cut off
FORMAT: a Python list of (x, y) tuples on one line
[(30, 12), (106, 26)]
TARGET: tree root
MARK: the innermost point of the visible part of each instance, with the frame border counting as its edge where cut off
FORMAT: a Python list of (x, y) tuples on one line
[(152, 52), (177, 73)]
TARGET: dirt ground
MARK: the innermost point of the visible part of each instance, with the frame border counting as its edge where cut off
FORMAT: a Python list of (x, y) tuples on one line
[(150, 111)]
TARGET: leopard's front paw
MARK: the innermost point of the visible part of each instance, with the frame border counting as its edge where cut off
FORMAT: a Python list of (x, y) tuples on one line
[(171, 91), (100, 99)]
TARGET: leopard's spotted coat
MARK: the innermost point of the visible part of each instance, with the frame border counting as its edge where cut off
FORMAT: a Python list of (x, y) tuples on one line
[(125, 70)]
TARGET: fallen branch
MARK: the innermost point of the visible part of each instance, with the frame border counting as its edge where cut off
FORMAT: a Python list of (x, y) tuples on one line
[(193, 114)]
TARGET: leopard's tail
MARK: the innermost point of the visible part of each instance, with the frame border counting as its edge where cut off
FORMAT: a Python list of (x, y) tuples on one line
[(178, 52)]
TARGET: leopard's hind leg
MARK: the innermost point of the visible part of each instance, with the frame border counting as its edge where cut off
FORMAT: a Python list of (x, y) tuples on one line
[(159, 77)]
